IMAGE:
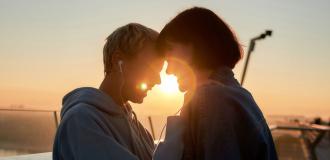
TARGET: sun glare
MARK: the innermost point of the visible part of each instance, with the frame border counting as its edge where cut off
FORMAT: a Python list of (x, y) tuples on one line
[(143, 86), (162, 99), (169, 83)]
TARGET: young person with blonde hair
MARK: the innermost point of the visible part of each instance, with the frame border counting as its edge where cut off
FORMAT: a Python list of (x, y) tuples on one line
[(99, 123)]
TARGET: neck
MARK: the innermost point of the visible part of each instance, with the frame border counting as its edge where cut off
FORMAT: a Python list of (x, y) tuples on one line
[(202, 76), (112, 87)]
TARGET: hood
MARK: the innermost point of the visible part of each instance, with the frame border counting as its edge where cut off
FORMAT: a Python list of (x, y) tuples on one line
[(91, 96)]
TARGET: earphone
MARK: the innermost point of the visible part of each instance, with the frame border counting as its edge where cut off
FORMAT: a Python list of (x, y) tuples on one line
[(120, 63)]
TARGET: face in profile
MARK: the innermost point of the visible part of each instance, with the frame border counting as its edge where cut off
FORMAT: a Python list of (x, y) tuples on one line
[(141, 73), (179, 58)]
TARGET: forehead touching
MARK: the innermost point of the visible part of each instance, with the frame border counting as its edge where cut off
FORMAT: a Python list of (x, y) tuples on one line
[(178, 50)]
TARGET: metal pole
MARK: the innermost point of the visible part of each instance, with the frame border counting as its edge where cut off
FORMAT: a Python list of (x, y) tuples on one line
[(251, 48), (56, 119), (152, 128)]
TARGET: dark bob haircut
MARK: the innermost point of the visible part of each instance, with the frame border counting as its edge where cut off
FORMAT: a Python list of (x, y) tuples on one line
[(213, 41)]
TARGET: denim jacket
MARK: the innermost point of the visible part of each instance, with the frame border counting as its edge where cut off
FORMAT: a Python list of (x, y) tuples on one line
[(222, 121)]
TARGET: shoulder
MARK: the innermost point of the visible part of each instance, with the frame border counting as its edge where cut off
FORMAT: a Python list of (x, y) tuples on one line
[(212, 93), (227, 103), (81, 115), (79, 110), (216, 98)]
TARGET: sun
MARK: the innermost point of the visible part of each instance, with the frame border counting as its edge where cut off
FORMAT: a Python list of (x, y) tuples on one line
[(169, 83), (163, 99)]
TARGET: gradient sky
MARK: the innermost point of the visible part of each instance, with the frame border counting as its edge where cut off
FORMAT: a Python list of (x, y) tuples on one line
[(48, 48)]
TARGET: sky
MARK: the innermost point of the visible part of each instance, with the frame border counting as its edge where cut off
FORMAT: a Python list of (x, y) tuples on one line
[(48, 48)]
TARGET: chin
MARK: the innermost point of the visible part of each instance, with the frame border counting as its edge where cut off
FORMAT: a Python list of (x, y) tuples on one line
[(137, 100), (183, 88)]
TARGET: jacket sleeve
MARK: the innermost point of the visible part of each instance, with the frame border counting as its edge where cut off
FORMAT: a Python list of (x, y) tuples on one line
[(82, 138), (215, 126)]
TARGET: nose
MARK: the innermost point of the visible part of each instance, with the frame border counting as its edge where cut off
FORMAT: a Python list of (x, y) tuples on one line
[(169, 69), (154, 79), (157, 79)]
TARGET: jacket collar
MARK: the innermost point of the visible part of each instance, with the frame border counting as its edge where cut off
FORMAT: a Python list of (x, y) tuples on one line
[(224, 75)]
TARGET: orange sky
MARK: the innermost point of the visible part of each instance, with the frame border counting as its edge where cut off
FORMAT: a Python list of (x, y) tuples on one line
[(47, 49)]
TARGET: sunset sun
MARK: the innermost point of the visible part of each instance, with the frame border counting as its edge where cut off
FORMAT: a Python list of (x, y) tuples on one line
[(169, 83)]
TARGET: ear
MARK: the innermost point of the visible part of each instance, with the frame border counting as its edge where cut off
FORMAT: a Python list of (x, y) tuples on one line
[(116, 57)]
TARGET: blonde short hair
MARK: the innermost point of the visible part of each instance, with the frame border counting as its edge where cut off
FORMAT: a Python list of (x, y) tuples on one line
[(128, 39)]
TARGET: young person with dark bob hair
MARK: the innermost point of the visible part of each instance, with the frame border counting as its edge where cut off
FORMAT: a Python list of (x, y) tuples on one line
[(221, 118)]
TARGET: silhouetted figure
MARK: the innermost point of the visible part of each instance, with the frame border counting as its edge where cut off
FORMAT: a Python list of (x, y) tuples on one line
[(221, 118), (99, 124)]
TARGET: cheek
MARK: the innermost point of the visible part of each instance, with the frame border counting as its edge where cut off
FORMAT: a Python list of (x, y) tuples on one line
[(140, 76), (131, 74), (170, 68)]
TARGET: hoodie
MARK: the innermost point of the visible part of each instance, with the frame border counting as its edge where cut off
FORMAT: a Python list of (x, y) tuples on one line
[(93, 126), (222, 121)]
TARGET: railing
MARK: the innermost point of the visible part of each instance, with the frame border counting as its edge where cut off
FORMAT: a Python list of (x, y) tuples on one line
[(55, 112), (312, 135), (37, 156), (305, 127), (318, 130)]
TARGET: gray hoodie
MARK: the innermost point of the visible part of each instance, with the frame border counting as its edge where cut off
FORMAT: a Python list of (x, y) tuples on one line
[(93, 126)]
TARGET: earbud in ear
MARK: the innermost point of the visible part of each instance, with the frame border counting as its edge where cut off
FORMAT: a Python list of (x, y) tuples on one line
[(120, 63)]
